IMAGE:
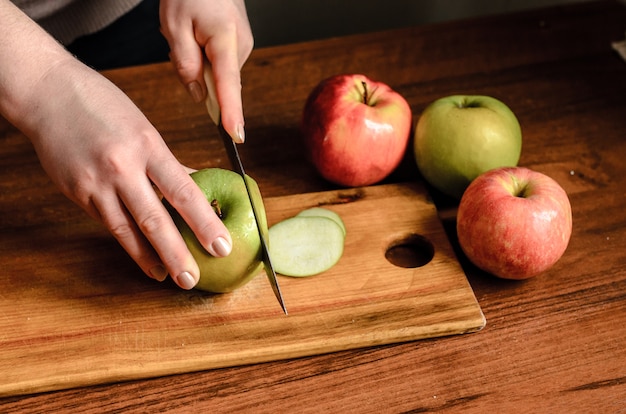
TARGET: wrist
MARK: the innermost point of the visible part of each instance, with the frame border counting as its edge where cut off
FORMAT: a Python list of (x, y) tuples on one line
[(27, 55)]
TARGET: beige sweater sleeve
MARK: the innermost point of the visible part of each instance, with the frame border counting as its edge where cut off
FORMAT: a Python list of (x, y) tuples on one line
[(67, 20)]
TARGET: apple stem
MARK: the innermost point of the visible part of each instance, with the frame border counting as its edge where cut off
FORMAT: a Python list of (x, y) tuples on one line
[(216, 206), (522, 192), (365, 93), (520, 187)]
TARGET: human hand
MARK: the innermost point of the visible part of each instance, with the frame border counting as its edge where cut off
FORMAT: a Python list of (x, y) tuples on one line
[(219, 31), (103, 153)]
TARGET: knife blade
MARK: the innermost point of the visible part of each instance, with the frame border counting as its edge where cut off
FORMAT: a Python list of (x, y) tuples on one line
[(233, 155)]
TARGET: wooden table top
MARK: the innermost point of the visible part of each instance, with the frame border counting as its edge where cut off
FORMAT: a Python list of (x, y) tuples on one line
[(555, 342)]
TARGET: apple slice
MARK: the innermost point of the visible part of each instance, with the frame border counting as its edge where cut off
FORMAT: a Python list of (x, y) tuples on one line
[(303, 246), (323, 212)]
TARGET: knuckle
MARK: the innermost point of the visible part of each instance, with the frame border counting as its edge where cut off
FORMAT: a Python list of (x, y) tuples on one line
[(185, 67), (113, 161), (135, 245), (80, 188), (185, 193), (146, 257), (153, 223), (207, 228), (121, 231)]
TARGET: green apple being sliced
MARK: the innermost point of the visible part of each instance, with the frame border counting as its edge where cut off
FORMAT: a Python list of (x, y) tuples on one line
[(226, 190), (305, 245), (323, 212)]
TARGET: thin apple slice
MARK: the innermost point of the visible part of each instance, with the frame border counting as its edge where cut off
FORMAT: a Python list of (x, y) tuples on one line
[(303, 246), (323, 212)]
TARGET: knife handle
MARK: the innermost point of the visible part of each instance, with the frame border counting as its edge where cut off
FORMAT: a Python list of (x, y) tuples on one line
[(211, 102)]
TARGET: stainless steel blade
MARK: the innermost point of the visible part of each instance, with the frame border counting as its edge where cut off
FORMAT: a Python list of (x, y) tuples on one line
[(214, 111), (235, 159)]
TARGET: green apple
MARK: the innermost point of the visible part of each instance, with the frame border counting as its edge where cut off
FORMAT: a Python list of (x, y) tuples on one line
[(227, 192), (307, 244), (457, 138), (324, 212)]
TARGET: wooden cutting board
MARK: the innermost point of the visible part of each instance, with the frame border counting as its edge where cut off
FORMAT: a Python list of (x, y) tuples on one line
[(91, 317)]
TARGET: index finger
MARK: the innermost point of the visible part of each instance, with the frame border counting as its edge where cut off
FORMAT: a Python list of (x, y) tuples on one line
[(185, 196), (221, 51)]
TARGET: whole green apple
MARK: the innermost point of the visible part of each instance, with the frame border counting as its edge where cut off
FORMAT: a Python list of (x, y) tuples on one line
[(459, 137), (226, 191)]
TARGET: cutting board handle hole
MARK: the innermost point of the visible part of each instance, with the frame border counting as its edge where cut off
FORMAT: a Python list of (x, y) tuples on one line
[(410, 251)]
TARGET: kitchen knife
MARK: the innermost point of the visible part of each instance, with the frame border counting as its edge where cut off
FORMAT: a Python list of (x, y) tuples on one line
[(213, 109)]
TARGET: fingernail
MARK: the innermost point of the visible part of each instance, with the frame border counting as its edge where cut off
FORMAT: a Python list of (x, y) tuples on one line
[(185, 280), (241, 134), (195, 91), (158, 272), (220, 247)]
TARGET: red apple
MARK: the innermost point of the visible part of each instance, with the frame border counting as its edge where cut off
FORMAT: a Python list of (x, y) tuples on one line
[(514, 222), (355, 130)]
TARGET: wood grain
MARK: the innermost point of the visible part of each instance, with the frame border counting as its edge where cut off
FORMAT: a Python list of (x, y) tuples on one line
[(556, 343), (84, 324)]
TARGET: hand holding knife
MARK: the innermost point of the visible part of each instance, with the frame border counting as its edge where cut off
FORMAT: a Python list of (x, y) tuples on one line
[(214, 111)]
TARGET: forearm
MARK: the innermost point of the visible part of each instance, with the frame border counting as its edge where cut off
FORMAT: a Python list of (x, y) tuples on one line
[(27, 55)]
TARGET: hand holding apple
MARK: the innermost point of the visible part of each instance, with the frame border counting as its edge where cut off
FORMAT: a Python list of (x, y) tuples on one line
[(355, 130), (226, 191), (457, 138), (514, 222)]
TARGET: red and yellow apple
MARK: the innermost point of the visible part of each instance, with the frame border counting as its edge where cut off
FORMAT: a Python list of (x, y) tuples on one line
[(459, 137), (355, 130), (513, 222)]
